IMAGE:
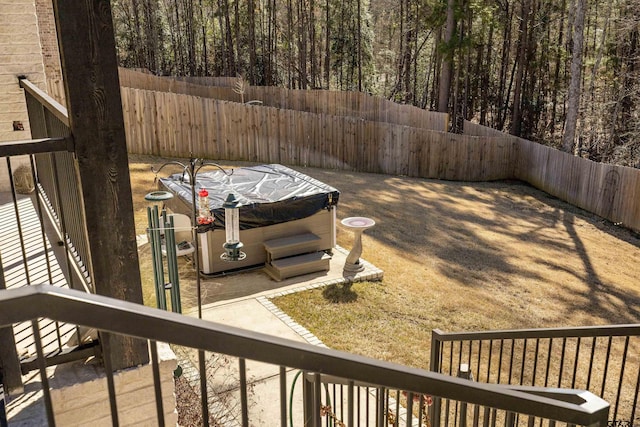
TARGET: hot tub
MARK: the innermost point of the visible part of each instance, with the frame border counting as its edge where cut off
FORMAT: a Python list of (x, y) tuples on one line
[(274, 201)]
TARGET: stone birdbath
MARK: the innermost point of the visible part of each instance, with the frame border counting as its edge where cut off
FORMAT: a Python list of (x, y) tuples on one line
[(357, 224)]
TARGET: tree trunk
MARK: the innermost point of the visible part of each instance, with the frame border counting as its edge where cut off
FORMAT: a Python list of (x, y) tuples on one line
[(484, 86), (230, 55), (401, 47), (191, 39), (151, 36), (573, 101), (327, 51), (502, 100), (179, 49), (408, 53), (251, 15), (290, 67), (203, 23), (137, 45), (556, 77), (271, 43), (447, 66), (302, 45), (516, 117)]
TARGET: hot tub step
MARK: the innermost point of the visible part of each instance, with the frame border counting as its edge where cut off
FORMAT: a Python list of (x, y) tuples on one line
[(292, 245), (284, 268)]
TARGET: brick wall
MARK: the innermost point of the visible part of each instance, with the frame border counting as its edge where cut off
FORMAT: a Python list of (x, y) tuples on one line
[(50, 51), (20, 53)]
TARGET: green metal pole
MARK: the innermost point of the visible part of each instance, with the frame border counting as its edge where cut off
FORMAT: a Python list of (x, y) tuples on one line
[(170, 249), (172, 264), (157, 254), (154, 262), (175, 289)]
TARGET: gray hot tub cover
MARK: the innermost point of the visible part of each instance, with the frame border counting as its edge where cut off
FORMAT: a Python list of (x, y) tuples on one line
[(267, 194)]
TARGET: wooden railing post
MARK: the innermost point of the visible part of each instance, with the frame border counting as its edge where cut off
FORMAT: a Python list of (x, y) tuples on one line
[(434, 366), (464, 372), (92, 90), (308, 400)]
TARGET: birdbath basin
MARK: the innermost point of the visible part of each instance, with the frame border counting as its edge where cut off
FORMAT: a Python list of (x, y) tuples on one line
[(357, 224)]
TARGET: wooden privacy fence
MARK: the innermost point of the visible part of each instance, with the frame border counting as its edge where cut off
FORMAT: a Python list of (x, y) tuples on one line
[(174, 125), (609, 191), (335, 103)]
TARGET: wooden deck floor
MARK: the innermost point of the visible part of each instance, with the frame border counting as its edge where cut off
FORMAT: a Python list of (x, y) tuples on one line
[(28, 257)]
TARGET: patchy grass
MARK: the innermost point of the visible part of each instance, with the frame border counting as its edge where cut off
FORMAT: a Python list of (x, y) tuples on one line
[(456, 256), (468, 256)]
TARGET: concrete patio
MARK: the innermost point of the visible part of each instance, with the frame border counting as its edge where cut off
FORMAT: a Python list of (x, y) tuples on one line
[(248, 306)]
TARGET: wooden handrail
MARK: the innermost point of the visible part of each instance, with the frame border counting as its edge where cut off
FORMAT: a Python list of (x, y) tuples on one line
[(35, 146), (47, 102)]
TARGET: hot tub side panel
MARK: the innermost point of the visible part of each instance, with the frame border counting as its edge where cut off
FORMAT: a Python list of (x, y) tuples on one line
[(322, 224)]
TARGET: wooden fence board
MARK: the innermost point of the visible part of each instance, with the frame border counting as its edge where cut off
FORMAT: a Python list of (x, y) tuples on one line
[(153, 146), (195, 120), (625, 192), (151, 113), (169, 109), (140, 123), (126, 104), (632, 209), (274, 143), (168, 106)]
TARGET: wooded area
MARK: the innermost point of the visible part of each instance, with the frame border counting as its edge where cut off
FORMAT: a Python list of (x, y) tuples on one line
[(533, 68)]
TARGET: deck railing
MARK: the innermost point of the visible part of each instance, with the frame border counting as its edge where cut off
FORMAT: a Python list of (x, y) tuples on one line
[(382, 383), (57, 182), (604, 360), (43, 234)]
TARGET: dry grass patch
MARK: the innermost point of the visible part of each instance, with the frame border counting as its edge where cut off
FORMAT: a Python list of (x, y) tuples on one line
[(468, 256), (456, 256)]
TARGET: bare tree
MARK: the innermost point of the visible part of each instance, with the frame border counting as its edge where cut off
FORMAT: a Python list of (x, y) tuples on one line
[(573, 101), (521, 64), (447, 61)]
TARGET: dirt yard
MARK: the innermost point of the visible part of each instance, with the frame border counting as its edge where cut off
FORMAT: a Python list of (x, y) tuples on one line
[(461, 256)]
